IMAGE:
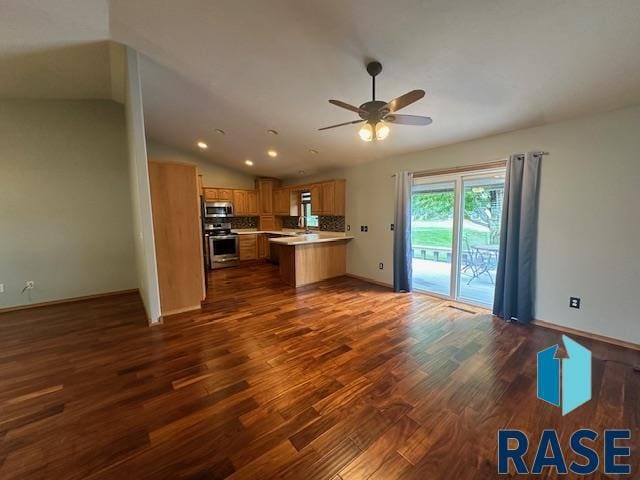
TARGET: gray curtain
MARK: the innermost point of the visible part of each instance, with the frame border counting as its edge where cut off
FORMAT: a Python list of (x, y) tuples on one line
[(515, 279), (402, 233)]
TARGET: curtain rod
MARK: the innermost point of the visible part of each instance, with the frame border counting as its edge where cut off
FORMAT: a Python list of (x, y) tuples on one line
[(477, 166)]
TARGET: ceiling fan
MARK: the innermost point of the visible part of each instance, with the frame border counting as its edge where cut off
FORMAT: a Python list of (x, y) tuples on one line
[(376, 114)]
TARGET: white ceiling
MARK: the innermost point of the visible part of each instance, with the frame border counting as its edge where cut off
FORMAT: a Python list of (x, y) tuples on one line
[(249, 65)]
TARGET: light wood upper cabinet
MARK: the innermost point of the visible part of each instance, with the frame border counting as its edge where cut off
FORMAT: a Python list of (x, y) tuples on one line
[(210, 194), (217, 194), (339, 198), (225, 194), (316, 199), (252, 203), (245, 203), (328, 198), (265, 187), (239, 202), (282, 204), (269, 199)]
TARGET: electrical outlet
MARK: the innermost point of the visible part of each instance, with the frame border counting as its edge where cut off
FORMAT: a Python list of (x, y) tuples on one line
[(393, 227), (366, 228), (574, 302), (29, 284), (1, 287), (381, 266), (362, 228)]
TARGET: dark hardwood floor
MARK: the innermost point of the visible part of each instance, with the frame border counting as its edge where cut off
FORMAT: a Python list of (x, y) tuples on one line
[(341, 380)]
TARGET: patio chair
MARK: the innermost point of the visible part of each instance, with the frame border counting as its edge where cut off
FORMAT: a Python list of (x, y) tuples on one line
[(476, 263)]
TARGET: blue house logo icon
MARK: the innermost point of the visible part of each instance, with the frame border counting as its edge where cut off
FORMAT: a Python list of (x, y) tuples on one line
[(573, 385)]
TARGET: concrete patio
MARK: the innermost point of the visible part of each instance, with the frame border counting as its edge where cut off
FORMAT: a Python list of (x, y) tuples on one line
[(430, 276)]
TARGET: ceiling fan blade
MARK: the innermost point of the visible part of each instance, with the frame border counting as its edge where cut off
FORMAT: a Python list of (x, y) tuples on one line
[(340, 104), (341, 124), (404, 100), (408, 119)]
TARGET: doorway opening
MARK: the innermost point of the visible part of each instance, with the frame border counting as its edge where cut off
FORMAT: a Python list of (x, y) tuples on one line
[(455, 234)]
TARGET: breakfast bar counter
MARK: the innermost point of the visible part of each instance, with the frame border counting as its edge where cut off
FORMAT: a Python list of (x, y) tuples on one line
[(310, 258)]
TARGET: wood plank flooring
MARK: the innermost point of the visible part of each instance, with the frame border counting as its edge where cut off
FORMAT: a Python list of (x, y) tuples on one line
[(341, 380)]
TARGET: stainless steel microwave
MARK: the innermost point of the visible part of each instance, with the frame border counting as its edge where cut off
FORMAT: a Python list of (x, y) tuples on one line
[(218, 209)]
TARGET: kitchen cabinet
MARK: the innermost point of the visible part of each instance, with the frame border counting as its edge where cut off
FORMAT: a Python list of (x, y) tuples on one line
[(282, 202), (225, 194), (239, 202), (245, 203), (252, 203), (210, 194), (269, 222), (265, 187), (328, 198), (217, 194), (263, 245), (316, 199), (248, 247), (178, 236)]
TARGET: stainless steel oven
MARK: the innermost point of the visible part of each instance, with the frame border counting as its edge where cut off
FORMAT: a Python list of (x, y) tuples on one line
[(224, 246), (214, 210)]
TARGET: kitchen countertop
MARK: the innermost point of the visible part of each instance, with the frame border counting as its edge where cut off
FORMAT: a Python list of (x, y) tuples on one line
[(272, 232), (307, 239), (296, 237)]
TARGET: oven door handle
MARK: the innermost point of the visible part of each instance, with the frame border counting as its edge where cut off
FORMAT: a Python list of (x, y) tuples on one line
[(223, 237)]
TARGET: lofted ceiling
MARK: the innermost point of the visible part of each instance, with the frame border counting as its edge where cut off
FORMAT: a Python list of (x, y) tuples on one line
[(246, 66)]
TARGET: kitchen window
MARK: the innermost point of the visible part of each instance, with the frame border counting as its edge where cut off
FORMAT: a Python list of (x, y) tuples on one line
[(311, 221)]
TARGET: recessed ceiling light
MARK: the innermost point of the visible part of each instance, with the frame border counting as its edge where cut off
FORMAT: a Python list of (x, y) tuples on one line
[(219, 131), (301, 172), (248, 162), (313, 151), (202, 145), (272, 153), (272, 132)]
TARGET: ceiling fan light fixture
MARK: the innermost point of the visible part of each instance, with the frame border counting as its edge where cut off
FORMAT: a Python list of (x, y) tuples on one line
[(366, 132), (382, 131)]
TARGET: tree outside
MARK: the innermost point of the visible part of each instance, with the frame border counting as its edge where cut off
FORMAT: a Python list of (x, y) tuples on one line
[(432, 216)]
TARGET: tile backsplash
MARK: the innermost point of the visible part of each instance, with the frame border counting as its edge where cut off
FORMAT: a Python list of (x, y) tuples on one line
[(290, 222), (327, 224), (332, 224), (244, 222)]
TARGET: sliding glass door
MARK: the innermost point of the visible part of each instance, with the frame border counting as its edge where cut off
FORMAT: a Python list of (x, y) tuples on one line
[(434, 204), (455, 232)]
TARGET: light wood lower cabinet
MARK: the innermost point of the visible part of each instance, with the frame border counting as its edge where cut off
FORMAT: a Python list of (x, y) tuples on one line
[(248, 247), (303, 264), (263, 245)]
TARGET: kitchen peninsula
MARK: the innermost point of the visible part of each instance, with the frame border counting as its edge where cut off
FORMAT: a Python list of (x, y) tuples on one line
[(310, 258)]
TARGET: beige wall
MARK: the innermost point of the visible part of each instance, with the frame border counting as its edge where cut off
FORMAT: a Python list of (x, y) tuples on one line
[(65, 216), (145, 251), (589, 231), (212, 175)]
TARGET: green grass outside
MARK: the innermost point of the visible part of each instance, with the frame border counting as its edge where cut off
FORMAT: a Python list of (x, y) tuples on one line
[(442, 237)]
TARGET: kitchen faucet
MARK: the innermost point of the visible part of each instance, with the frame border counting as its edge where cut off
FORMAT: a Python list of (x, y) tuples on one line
[(302, 223)]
